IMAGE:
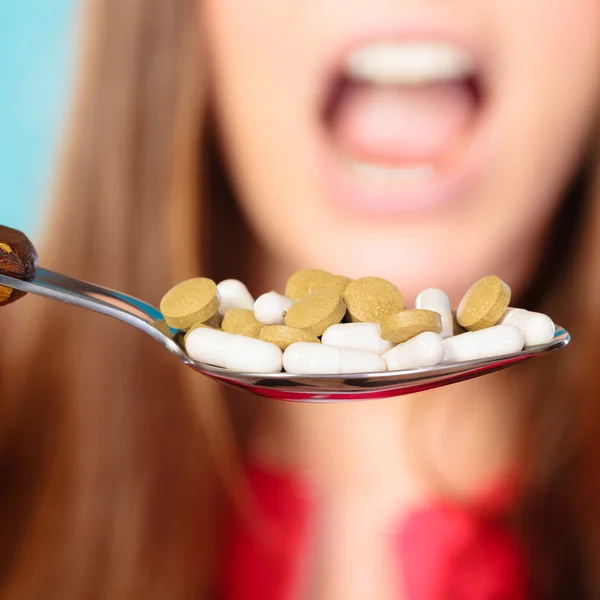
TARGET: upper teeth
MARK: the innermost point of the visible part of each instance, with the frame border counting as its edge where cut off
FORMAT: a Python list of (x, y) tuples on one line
[(408, 63)]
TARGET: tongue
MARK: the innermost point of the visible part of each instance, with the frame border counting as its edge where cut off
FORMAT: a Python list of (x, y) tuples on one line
[(402, 125)]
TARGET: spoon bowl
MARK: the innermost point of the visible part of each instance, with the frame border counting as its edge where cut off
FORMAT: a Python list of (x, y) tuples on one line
[(370, 386), (280, 386)]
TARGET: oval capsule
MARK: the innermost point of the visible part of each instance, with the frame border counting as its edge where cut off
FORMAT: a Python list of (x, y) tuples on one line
[(484, 343), (424, 350), (537, 328), (271, 308), (232, 351), (360, 336), (436, 300), (234, 294), (304, 358)]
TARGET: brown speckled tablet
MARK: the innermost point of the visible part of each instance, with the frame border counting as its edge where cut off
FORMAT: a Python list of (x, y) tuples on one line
[(456, 328), (236, 319), (283, 336), (339, 283), (401, 327), (316, 312), (370, 298), (215, 321), (305, 281), (192, 301), (484, 304), (252, 330)]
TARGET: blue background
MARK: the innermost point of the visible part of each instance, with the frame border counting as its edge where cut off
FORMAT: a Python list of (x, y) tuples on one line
[(36, 60)]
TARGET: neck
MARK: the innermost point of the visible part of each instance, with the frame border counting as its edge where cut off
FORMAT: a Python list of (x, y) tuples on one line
[(455, 440), (459, 437)]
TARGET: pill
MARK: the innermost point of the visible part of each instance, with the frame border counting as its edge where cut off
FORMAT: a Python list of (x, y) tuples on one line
[(402, 326), (232, 351), (192, 301), (484, 304), (253, 330), (162, 326), (215, 321), (234, 294), (303, 358), (438, 301), (305, 281), (316, 312), (18, 258), (360, 336), (369, 298), (424, 350), (456, 328), (271, 308), (339, 283), (283, 336), (192, 328), (484, 343), (237, 318), (537, 328)]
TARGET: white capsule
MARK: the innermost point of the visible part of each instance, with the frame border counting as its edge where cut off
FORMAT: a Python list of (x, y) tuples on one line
[(485, 343), (360, 336), (424, 350), (436, 300), (234, 294), (303, 358), (270, 308), (231, 351), (537, 328)]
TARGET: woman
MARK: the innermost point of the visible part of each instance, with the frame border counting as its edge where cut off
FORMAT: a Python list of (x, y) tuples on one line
[(428, 143)]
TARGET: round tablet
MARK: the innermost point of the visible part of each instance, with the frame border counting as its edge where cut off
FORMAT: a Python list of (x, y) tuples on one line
[(192, 301), (316, 312), (215, 321), (305, 281), (339, 283), (402, 326), (484, 304), (253, 330), (456, 328), (370, 298), (236, 319), (283, 336)]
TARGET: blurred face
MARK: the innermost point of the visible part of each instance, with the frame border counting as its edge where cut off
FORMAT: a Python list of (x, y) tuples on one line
[(425, 142)]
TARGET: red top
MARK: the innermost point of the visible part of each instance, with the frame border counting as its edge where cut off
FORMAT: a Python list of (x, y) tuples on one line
[(445, 551)]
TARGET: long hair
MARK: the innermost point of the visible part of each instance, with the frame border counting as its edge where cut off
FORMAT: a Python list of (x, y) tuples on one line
[(106, 454), (113, 458)]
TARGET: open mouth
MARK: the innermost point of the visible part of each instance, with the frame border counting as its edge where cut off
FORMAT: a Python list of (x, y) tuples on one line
[(401, 114)]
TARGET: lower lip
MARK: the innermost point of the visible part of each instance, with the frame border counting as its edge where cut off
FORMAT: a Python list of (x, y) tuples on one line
[(355, 193)]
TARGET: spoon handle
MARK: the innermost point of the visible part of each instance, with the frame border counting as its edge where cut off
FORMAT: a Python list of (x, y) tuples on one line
[(18, 259), (19, 275)]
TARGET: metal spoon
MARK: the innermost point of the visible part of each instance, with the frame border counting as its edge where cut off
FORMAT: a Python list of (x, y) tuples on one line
[(280, 386), (274, 385)]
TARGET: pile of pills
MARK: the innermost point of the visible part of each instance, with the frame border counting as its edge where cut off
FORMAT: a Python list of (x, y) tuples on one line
[(329, 324)]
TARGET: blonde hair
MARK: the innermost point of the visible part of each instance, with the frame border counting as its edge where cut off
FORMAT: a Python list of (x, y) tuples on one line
[(109, 488)]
